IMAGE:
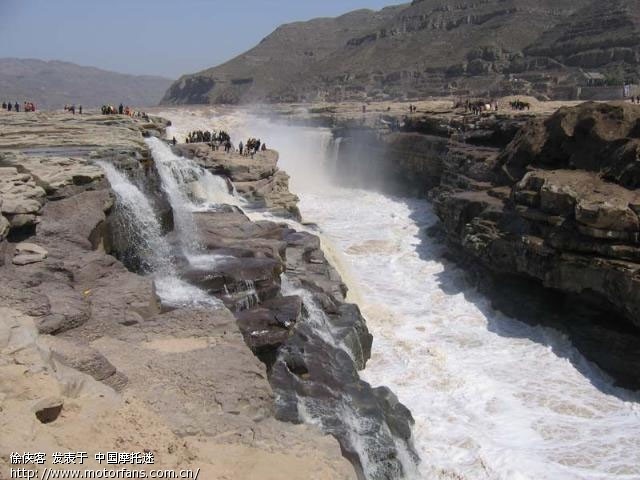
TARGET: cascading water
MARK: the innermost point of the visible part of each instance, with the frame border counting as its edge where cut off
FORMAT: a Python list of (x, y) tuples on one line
[(190, 188), (331, 395), (493, 398), (140, 223), (144, 235), (175, 174)]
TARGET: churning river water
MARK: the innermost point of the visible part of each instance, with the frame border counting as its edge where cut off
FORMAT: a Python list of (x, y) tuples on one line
[(492, 397)]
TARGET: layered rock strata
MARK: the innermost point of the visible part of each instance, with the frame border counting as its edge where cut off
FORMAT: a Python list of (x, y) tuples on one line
[(551, 211)]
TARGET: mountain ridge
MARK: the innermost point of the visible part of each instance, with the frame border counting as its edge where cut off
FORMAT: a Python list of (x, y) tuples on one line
[(413, 50), (54, 83)]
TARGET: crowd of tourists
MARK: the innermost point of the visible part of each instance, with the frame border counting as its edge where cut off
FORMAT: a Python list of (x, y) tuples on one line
[(221, 139), (251, 147), (216, 140), (123, 110), (520, 105), (205, 136), (477, 107), (15, 107)]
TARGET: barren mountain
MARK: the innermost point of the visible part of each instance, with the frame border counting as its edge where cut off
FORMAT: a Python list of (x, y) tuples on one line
[(428, 47), (599, 35), (53, 84)]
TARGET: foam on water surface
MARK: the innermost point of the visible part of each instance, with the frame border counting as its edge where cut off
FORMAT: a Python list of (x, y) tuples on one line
[(493, 398)]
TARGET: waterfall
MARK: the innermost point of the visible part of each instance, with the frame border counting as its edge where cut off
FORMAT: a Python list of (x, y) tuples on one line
[(192, 188), (189, 186), (175, 175), (144, 235), (140, 223), (333, 157)]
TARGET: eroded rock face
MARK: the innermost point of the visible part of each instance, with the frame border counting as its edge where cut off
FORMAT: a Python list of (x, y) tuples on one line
[(560, 206), (596, 137), (542, 207)]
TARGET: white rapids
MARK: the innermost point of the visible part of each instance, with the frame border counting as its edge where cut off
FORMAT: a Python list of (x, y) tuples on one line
[(493, 398)]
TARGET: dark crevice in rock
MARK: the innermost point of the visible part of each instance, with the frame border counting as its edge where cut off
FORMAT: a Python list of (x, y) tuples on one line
[(21, 234)]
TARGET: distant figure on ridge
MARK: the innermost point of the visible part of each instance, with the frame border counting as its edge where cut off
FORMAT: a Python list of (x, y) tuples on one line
[(121, 109), (174, 141), (9, 107), (4, 105), (241, 147), (80, 109), (16, 107)]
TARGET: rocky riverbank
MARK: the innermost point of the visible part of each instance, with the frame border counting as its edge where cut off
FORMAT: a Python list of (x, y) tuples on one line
[(543, 207), (92, 359)]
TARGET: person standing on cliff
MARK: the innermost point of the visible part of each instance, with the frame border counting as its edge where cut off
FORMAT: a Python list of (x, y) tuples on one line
[(80, 109), (174, 141), (241, 147), (121, 109), (16, 107), (4, 105)]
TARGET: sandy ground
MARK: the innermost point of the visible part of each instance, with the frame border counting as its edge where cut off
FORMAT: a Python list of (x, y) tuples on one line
[(347, 110)]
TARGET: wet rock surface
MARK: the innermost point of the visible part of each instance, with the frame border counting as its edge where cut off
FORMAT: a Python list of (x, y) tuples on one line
[(312, 342)]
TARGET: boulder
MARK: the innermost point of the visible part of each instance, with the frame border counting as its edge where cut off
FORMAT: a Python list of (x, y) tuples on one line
[(596, 137), (27, 259), (268, 326), (67, 308), (80, 357), (27, 253), (21, 199), (256, 178)]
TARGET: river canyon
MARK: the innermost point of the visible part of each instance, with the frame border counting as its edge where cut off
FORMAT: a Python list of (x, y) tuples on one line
[(492, 397), (254, 308)]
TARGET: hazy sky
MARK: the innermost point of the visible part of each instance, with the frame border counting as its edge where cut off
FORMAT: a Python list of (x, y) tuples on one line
[(158, 37)]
